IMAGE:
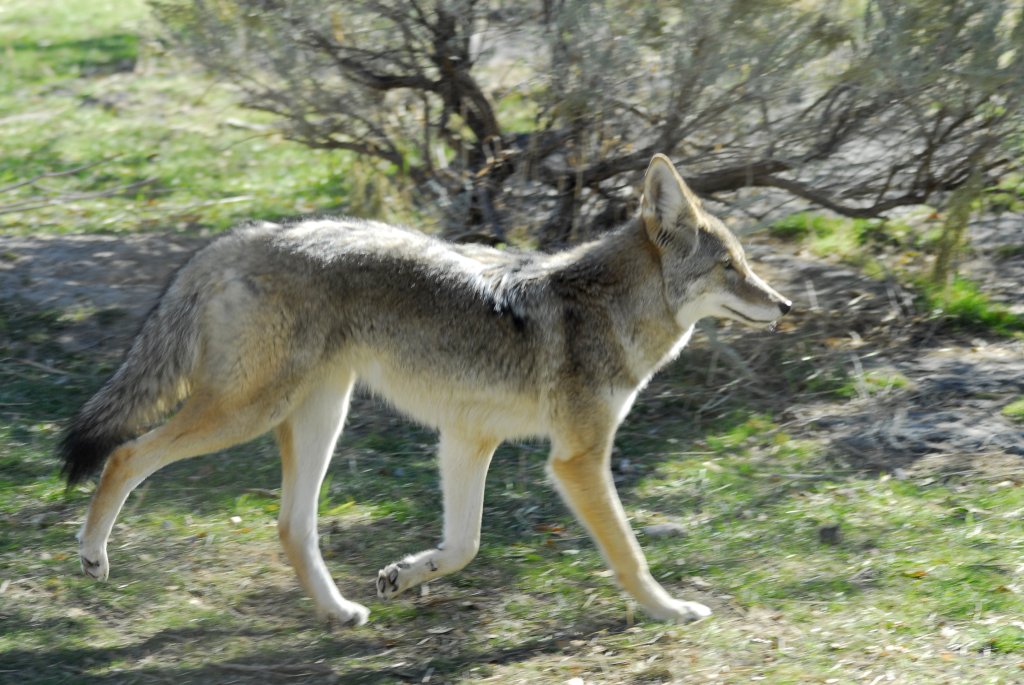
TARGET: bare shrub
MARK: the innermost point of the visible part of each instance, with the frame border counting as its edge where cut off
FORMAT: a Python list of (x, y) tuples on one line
[(858, 111)]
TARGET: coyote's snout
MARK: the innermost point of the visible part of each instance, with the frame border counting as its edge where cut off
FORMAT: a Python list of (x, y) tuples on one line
[(269, 327)]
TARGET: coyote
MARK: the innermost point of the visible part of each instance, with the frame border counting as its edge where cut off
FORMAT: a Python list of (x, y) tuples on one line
[(269, 327)]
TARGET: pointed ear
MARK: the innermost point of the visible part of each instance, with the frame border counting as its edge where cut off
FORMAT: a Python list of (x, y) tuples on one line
[(669, 209)]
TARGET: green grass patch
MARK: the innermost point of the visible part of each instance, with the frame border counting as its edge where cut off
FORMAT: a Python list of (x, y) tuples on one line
[(1007, 195), (1015, 410), (871, 383), (964, 305), (47, 42), (865, 243), (840, 237), (121, 136), (902, 548), (846, 382), (797, 227)]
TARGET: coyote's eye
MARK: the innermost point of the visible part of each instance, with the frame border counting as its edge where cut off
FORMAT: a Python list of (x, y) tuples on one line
[(727, 264)]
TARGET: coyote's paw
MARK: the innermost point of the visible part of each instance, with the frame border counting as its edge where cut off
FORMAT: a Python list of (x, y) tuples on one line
[(345, 613), (399, 576), (678, 611), (95, 564), (420, 568), (394, 579)]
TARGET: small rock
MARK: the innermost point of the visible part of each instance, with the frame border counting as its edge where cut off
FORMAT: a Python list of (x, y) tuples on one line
[(664, 530), (830, 534), (699, 583), (44, 520)]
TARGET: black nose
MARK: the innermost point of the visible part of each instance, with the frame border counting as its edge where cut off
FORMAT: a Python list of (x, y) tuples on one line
[(785, 306)]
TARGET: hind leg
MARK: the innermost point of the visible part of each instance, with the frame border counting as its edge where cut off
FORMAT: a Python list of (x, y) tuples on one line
[(306, 440), (463, 462), (205, 423)]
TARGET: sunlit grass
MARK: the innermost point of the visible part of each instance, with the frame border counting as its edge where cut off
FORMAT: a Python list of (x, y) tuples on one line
[(967, 306), (960, 301), (1015, 410), (140, 140)]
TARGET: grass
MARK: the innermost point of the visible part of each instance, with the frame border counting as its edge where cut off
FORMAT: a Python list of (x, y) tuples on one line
[(920, 581), (964, 305), (846, 239), (142, 141), (869, 244), (1007, 195), (1015, 410), (844, 382)]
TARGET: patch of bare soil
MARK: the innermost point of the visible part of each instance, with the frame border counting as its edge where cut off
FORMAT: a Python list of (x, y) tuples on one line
[(938, 412), (103, 285), (926, 397)]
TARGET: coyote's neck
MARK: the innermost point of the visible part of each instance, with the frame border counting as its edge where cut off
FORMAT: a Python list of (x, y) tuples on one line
[(619, 277)]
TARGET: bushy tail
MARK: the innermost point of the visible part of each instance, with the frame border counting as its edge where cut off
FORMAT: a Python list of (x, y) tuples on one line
[(153, 378)]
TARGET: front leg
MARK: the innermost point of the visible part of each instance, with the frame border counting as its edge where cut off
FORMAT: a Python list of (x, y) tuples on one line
[(583, 476), (463, 463)]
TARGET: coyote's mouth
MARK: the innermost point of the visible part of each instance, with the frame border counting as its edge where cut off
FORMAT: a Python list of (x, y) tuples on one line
[(772, 325), (741, 315)]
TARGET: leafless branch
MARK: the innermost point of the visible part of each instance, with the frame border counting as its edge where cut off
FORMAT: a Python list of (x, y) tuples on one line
[(32, 204), (57, 174)]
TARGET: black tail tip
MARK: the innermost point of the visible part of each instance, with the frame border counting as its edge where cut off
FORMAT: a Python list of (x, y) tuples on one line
[(83, 454)]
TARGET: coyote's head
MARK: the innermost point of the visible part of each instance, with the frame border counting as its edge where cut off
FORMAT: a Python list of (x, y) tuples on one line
[(705, 272)]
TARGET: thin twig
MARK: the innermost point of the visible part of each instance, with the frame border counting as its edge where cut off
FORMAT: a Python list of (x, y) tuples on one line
[(28, 205), (57, 174), (37, 365), (294, 670)]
